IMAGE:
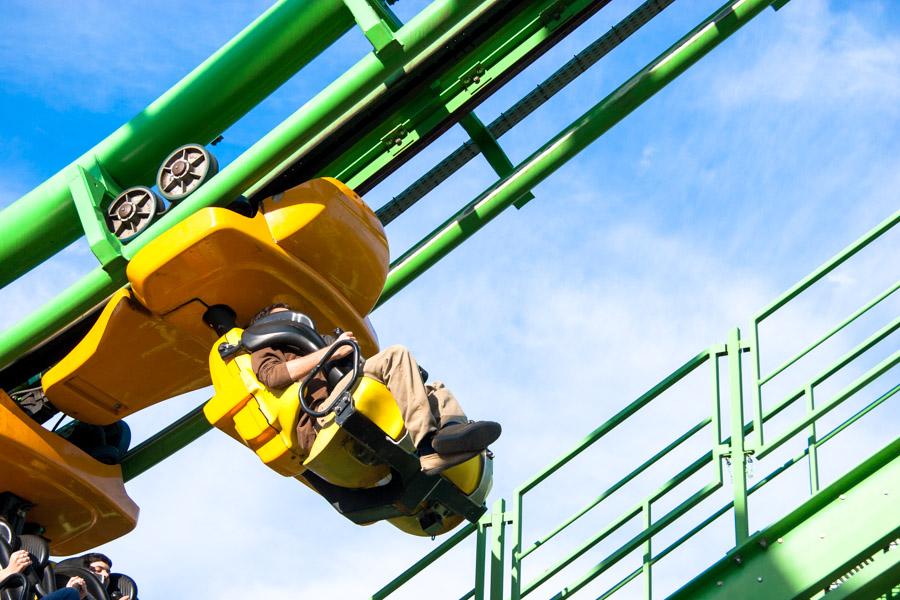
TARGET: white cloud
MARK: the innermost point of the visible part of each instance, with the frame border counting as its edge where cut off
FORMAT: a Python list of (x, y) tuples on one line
[(839, 57)]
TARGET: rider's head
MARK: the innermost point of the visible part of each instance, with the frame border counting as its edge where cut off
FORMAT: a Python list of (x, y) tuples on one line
[(98, 564), (272, 308)]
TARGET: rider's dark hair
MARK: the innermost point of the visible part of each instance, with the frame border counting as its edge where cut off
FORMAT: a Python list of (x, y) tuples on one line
[(93, 557), (267, 311)]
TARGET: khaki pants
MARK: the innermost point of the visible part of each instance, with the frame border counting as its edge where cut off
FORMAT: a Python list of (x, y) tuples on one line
[(425, 408)]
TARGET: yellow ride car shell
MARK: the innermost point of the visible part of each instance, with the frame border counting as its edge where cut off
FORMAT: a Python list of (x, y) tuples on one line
[(79, 501)]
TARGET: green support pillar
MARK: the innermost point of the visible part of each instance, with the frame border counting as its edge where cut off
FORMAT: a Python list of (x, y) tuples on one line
[(498, 547), (738, 453), (197, 109)]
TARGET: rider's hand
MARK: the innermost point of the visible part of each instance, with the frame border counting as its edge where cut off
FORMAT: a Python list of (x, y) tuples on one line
[(78, 584), (18, 562), (344, 350)]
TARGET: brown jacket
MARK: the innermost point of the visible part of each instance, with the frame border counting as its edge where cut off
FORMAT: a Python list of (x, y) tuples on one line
[(269, 366)]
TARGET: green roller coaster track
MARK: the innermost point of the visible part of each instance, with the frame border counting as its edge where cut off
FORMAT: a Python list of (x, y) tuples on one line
[(420, 78)]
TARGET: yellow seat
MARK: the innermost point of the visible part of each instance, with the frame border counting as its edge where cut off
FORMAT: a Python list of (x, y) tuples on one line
[(317, 246), (79, 501), (265, 421)]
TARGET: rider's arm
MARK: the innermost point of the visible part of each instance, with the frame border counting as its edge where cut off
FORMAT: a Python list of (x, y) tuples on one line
[(273, 371)]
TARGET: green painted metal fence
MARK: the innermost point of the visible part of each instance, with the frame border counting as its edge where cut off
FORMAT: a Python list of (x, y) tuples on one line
[(734, 443)]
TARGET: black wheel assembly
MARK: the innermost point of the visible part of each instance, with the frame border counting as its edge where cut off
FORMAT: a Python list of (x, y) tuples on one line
[(132, 211), (185, 170)]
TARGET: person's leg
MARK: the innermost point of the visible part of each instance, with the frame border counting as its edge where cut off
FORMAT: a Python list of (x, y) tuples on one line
[(434, 420), (456, 433), (444, 405), (396, 368), (63, 594)]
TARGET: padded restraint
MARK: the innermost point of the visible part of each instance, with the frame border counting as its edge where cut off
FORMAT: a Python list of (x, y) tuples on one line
[(263, 332), (294, 330), (301, 338), (39, 574), (121, 585), (6, 531), (6, 550), (39, 550), (71, 567), (16, 587)]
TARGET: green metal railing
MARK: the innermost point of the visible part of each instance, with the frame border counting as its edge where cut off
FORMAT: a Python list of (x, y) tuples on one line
[(745, 438)]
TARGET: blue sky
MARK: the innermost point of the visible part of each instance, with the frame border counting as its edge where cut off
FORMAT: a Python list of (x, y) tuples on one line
[(760, 163)]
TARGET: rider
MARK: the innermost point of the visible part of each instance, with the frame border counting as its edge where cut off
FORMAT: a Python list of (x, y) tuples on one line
[(442, 434)]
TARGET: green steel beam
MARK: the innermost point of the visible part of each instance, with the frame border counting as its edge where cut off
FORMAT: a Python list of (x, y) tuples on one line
[(619, 485), (737, 451), (834, 330), (157, 448), (531, 28), (575, 138), (828, 536), (467, 530), (491, 150), (876, 576), (480, 560), (342, 98), (498, 548), (829, 266), (197, 109), (378, 23), (860, 382)]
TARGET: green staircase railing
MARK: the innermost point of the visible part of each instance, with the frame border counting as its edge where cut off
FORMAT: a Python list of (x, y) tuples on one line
[(868, 364)]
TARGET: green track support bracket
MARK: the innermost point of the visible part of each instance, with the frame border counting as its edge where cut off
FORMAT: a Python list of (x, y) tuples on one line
[(378, 22), (400, 138), (838, 537), (492, 151), (779, 4), (89, 195)]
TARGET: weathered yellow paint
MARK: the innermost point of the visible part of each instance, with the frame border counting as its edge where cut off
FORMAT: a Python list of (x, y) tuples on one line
[(81, 502), (317, 247), (130, 359)]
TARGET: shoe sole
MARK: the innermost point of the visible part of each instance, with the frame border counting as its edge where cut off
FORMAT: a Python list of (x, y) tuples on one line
[(474, 439), (450, 461)]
